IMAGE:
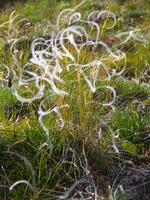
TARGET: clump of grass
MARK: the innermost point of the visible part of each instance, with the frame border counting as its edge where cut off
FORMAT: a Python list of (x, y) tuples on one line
[(68, 82)]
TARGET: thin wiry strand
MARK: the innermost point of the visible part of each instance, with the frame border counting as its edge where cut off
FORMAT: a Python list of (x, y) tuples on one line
[(26, 162), (84, 187), (21, 182), (113, 190), (129, 35)]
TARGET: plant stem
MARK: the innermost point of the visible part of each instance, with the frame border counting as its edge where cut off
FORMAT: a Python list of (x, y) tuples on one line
[(81, 97)]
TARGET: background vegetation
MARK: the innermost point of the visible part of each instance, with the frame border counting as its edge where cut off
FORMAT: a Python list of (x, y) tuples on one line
[(85, 149)]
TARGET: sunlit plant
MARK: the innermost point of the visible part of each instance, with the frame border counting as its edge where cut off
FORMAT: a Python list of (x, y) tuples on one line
[(72, 62)]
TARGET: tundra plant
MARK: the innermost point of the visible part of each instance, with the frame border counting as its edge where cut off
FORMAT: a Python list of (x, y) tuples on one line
[(74, 59)]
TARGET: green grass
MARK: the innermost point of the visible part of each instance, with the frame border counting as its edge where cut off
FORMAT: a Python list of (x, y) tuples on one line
[(86, 141)]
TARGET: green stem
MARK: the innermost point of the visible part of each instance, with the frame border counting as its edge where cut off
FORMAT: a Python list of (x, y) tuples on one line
[(81, 98)]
